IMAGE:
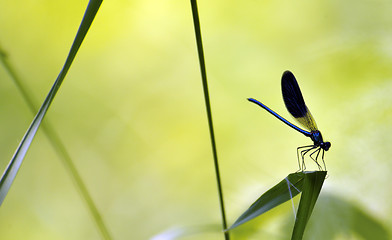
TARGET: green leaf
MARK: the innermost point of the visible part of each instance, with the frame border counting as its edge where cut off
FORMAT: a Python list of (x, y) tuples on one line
[(286, 189), (337, 217), (310, 192), (17, 159)]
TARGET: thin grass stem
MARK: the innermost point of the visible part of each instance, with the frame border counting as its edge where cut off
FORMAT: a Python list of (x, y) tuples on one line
[(200, 51), (90, 13), (59, 147)]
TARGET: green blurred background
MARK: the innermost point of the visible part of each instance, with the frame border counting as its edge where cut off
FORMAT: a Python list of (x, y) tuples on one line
[(131, 114)]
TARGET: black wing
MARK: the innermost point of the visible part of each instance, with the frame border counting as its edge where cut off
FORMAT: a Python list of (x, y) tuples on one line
[(294, 101)]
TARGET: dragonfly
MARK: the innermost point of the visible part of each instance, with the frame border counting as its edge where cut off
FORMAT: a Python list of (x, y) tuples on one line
[(296, 106)]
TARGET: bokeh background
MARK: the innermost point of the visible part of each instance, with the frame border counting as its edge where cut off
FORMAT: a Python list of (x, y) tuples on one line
[(131, 115)]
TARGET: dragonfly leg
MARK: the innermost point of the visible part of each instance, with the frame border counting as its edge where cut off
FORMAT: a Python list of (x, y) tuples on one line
[(322, 158), (302, 153), (301, 167), (315, 159)]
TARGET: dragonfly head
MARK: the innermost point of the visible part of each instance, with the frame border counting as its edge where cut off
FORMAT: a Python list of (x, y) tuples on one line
[(325, 145)]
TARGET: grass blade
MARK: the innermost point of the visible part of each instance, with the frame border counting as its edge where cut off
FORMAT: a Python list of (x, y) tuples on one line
[(277, 195), (310, 192), (17, 159), (200, 51), (59, 147)]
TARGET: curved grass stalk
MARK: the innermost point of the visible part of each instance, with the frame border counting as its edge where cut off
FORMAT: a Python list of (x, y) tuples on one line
[(17, 159)]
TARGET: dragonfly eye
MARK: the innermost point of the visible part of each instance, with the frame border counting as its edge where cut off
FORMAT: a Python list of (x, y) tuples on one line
[(325, 145)]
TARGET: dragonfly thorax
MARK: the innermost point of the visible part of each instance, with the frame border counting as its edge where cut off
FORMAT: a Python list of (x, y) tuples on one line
[(317, 139)]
